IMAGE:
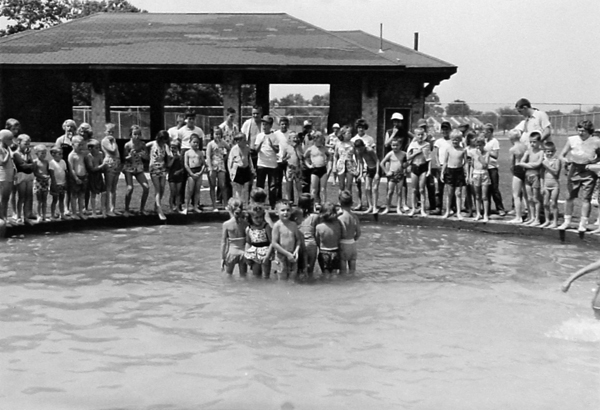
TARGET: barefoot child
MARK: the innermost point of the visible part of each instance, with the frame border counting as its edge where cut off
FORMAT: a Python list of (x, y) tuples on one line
[(95, 166), (58, 182), (344, 161), (216, 157), (24, 179), (233, 239), (160, 159), (176, 176), (516, 152), (350, 233), (368, 169), (41, 184), (240, 167), (307, 222), (195, 166), (480, 178), (532, 163), (78, 177), (112, 168), (418, 156), (551, 169), (328, 234), (258, 236), (7, 172), (287, 240), (293, 156), (317, 157), (135, 152), (453, 173), (581, 272), (395, 163)]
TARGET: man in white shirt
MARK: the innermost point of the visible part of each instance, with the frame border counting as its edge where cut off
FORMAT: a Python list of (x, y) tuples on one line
[(440, 148), (174, 131), (282, 135), (251, 128), (229, 127), (534, 120), (187, 130), (267, 148), (493, 147)]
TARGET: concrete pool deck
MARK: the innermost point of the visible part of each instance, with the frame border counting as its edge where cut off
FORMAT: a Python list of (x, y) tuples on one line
[(497, 225)]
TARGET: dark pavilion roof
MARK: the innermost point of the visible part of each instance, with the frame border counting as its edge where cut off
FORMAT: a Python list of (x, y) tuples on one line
[(208, 40)]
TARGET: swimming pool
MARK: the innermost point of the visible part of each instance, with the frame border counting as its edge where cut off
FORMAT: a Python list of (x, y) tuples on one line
[(142, 318)]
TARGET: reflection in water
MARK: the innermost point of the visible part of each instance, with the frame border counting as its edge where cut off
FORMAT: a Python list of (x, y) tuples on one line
[(142, 318)]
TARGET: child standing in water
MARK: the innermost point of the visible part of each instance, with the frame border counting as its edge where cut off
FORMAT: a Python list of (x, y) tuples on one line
[(112, 168), (195, 166), (95, 166), (581, 272), (233, 239), (58, 182), (328, 235), (532, 163), (7, 172), (135, 153), (350, 233), (287, 240), (78, 177), (551, 168), (176, 176), (516, 152), (160, 159), (307, 222), (453, 173), (258, 236), (41, 184), (394, 164)]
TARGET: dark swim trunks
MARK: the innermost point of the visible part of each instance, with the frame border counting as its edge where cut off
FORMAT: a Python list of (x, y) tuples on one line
[(242, 175), (318, 171), (419, 169), (455, 177), (371, 172), (519, 172), (329, 259)]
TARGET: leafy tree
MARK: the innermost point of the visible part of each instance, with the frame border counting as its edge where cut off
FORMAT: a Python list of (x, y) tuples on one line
[(509, 118), (458, 107), (320, 100), (488, 117), (433, 106)]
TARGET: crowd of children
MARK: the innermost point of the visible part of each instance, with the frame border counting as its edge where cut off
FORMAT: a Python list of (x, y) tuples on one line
[(299, 239)]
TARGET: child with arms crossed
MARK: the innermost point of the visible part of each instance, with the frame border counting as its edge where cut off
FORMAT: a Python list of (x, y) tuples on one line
[(551, 168), (532, 163)]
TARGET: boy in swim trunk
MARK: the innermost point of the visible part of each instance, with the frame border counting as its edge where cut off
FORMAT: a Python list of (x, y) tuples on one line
[(581, 272), (395, 163), (551, 187), (7, 172), (516, 153), (292, 154), (532, 163), (350, 233), (419, 156), (367, 157), (286, 240), (41, 185), (79, 177), (453, 173), (240, 167), (328, 235), (480, 178), (317, 157)]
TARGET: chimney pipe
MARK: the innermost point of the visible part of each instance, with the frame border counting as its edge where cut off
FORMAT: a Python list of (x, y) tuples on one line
[(416, 47), (381, 37)]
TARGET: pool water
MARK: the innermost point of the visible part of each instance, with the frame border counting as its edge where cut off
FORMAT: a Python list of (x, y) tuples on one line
[(144, 319)]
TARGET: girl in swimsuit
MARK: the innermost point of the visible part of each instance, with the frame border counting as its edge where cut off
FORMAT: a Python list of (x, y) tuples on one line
[(233, 239), (135, 152), (258, 236), (307, 222), (160, 159), (112, 168)]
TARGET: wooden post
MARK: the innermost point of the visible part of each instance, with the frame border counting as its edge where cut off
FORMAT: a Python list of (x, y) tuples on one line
[(370, 103), (157, 107), (232, 94), (262, 97), (100, 104)]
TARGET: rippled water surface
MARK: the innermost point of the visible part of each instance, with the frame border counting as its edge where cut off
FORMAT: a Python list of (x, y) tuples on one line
[(143, 319)]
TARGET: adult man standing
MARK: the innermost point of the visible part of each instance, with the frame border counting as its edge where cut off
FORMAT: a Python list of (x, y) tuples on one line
[(251, 128), (229, 127), (582, 150), (493, 147), (267, 148), (174, 131), (534, 119), (282, 138)]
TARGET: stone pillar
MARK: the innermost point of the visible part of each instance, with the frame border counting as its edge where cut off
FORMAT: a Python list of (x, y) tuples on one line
[(370, 109), (232, 94), (262, 97), (100, 105), (345, 101), (157, 107)]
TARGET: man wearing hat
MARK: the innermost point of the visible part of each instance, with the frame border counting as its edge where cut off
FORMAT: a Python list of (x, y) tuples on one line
[(534, 119), (267, 147), (333, 140)]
